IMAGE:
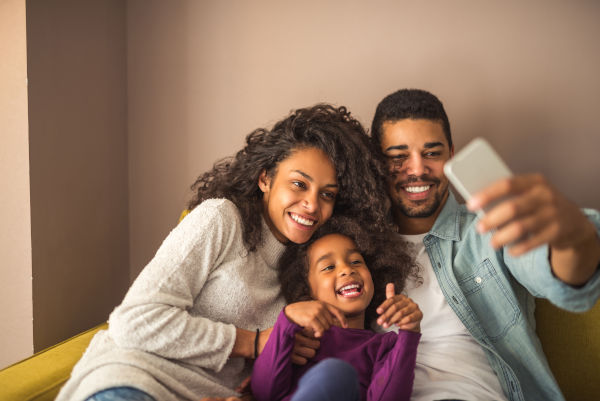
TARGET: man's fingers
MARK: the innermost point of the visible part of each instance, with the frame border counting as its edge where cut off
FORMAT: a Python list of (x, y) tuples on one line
[(298, 360), (244, 385), (503, 188), (509, 210), (528, 228), (389, 290), (305, 347)]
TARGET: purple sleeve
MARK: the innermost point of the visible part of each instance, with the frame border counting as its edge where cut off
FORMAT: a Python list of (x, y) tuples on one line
[(394, 370), (272, 372)]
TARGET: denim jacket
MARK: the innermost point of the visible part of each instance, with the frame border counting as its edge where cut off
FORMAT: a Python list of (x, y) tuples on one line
[(493, 295)]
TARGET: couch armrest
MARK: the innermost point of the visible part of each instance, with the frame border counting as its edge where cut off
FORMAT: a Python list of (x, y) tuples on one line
[(40, 377), (571, 342)]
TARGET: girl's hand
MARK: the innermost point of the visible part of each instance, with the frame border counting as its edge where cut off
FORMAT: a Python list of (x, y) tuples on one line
[(399, 310), (315, 315)]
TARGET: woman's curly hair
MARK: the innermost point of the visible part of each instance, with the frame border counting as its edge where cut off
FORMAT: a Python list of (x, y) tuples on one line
[(360, 173), (385, 253)]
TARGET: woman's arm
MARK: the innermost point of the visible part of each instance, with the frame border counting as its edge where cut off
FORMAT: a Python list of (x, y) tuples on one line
[(156, 314)]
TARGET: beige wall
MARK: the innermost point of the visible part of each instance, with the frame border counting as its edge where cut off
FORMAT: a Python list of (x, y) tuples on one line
[(202, 74), (130, 101), (16, 336), (78, 145)]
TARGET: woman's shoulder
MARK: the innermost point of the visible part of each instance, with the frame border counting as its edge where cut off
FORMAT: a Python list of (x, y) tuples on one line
[(215, 208)]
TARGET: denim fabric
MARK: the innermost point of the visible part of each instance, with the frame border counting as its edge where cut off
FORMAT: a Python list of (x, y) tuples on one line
[(492, 294), (121, 394), (330, 380)]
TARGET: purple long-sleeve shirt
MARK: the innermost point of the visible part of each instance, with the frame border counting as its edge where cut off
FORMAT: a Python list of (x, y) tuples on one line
[(384, 362)]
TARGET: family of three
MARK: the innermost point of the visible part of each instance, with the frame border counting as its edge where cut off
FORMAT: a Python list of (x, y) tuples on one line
[(320, 263)]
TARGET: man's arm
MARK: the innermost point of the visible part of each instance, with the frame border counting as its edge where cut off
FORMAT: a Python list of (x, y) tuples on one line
[(534, 213)]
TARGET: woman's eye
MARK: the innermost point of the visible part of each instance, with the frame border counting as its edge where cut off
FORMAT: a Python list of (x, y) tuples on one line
[(328, 195), (299, 184)]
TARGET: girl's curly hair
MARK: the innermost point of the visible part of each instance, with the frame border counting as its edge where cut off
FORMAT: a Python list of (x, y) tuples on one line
[(385, 253), (360, 172)]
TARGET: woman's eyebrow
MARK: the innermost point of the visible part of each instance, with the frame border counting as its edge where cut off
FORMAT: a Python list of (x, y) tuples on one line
[(309, 178)]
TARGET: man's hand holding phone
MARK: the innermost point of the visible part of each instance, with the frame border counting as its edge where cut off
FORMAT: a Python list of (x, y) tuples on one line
[(526, 211)]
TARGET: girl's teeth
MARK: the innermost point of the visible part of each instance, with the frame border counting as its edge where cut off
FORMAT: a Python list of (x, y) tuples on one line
[(303, 221), (415, 190)]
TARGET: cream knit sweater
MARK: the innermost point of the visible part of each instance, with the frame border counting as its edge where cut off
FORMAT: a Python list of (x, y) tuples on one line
[(172, 335)]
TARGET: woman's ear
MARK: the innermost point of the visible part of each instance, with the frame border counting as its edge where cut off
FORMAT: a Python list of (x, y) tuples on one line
[(264, 181)]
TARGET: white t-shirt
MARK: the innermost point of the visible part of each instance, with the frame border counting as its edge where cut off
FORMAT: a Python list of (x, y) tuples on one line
[(450, 363)]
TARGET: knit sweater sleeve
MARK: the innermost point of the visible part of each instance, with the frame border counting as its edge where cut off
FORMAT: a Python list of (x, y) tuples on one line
[(394, 369), (273, 370), (155, 314)]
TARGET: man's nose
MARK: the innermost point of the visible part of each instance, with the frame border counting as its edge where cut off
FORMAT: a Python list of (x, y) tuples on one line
[(415, 165)]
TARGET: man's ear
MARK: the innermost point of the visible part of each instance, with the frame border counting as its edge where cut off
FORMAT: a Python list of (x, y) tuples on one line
[(452, 150), (264, 181)]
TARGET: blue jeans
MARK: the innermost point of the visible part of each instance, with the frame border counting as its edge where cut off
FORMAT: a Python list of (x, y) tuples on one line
[(329, 380), (120, 394)]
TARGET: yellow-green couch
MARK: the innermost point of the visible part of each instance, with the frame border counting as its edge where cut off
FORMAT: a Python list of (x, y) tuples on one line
[(571, 342)]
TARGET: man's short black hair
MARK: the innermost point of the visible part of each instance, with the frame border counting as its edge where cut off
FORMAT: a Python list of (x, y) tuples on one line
[(409, 103)]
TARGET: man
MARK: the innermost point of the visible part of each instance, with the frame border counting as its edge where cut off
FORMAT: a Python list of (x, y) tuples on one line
[(477, 276)]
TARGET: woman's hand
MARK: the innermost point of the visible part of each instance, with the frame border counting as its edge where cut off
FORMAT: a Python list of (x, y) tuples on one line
[(315, 315), (399, 310), (305, 347), (244, 342)]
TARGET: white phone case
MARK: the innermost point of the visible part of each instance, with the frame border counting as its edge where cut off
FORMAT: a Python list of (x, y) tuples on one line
[(474, 167)]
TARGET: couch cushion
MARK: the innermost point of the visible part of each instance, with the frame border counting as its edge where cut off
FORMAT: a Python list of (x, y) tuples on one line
[(41, 376), (571, 342)]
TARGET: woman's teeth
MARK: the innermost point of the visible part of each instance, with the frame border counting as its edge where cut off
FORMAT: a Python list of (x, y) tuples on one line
[(301, 220)]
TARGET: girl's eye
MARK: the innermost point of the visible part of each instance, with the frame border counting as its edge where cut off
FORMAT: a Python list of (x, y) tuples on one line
[(329, 267), (357, 262)]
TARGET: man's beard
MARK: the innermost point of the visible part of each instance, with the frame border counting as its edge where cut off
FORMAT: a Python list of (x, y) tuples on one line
[(417, 211)]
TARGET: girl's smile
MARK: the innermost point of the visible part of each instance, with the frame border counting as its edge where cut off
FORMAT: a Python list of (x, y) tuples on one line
[(338, 275)]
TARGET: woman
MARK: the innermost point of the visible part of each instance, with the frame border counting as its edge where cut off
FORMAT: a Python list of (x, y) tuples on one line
[(203, 308)]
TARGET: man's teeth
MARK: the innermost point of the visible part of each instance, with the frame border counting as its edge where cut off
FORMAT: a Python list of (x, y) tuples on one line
[(301, 220), (415, 190)]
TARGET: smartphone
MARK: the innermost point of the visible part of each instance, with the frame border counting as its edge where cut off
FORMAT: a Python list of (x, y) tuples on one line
[(474, 167)]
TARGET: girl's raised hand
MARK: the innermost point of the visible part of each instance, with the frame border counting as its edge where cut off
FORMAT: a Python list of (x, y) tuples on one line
[(399, 310), (315, 315)]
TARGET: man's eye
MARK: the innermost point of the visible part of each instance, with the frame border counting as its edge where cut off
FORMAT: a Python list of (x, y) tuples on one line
[(396, 162), (432, 154)]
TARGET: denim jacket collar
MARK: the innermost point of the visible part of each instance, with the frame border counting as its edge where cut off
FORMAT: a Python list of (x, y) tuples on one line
[(446, 225)]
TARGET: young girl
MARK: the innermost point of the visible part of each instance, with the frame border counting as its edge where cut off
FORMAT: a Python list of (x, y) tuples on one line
[(337, 286), (192, 320)]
